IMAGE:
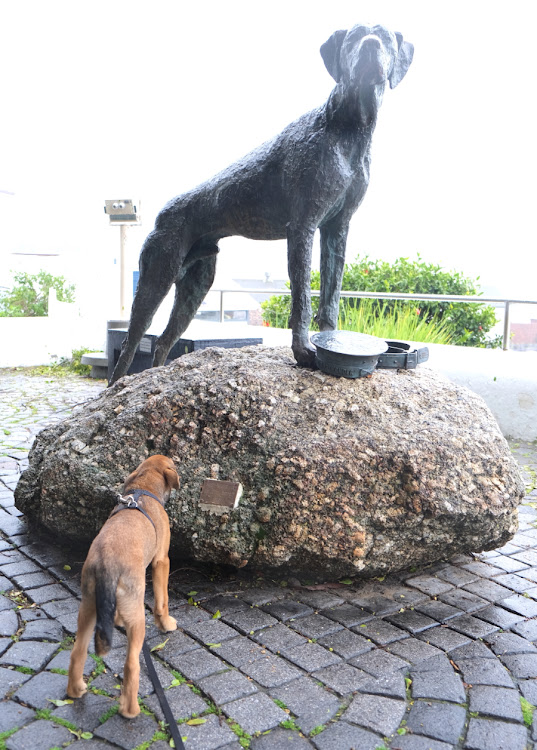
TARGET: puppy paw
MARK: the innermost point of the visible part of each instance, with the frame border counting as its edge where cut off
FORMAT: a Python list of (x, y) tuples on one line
[(127, 708), (76, 690), (166, 624)]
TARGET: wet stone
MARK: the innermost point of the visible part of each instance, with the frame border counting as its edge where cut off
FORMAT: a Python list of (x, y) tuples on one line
[(342, 734), (287, 609), (438, 685), (31, 654), (315, 626), (438, 611), (472, 650), (343, 678), (464, 600), (429, 585), (510, 643), (378, 605), (127, 733), (310, 703), (381, 632), (347, 614), (42, 630), (413, 650), (498, 702), (226, 686), (378, 663), (44, 686), (456, 576), (521, 605), (499, 616), (346, 644), (389, 685), (486, 734), (279, 638), (48, 593), (440, 721), (487, 589), (256, 713), (319, 599), (39, 735), (526, 629), (484, 672), (14, 715), (413, 621), (472, 626), (374, 712), (523, 666)]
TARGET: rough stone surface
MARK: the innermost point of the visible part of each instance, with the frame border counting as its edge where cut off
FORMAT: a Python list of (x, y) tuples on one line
[(344, 476)]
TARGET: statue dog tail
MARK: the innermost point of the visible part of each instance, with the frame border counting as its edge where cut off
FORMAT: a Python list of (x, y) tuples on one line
[(105, 605)]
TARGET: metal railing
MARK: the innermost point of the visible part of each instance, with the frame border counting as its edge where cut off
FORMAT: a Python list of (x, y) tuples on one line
[(496, 301)]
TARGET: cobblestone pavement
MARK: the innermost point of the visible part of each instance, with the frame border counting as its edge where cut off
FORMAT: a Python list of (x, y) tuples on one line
[(431, 659)]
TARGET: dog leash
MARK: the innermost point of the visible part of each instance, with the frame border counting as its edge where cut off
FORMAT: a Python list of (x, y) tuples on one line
[(168, 715), (130, 502)]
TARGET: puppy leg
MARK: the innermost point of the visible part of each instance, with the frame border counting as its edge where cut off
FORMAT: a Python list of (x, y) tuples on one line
[(161, 570), (76, 687), (135, 625)]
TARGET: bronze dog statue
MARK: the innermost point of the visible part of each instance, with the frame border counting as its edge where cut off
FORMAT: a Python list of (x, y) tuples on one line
[(313, 175), (113, 577)]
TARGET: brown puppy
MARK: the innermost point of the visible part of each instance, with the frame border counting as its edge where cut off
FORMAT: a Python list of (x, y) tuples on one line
[(113, 577)]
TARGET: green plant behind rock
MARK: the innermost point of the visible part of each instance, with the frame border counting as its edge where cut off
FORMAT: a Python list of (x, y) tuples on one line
[(468, 322), (29, 295)]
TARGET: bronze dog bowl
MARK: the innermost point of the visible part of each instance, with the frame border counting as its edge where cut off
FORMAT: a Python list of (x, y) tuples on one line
[(347, 354)]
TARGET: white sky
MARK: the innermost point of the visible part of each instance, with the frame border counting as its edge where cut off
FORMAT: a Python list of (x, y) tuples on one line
[(108, 100)]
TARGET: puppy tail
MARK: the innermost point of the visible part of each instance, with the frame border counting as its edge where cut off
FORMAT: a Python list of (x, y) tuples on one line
[(105, 604)]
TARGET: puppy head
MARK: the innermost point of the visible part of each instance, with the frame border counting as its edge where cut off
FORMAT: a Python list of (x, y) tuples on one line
[(158, 472)]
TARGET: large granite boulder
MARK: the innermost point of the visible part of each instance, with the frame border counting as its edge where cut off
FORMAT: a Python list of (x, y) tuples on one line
[(339, 476)]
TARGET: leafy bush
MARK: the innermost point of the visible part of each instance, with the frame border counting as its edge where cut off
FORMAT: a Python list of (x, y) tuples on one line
[(29, 296), (469, 322)]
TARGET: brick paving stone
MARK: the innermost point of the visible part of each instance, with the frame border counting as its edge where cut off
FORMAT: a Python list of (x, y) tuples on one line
[(380, 631), (408, 597), (287, 609), (31, 654), (270, 671), (498, 616), (61, 661), (472, 650), (521, 605), (390, 685), (485, 734), (9, 622), (280, 739), (523, 666), (11, 555), (378, 663), (188, 614), (342, 678), (413, 650), (374, 712), (440, 721), (443, 638), (528, 688), (85, 712), (255, 713), (378, 605), (40, 688), (239, 650), (456, 576), (227, 686), (61, 607), (311, 656), (249, 620), (256, 597), (311, 704), (527, 629), (343, 735), (14, 715), (514, 582), (315, 626), (127, 733), (278, 638), (429, 585), (509, 564), (178, 642), (210, 631), (415, 742), (42, 630), (184, 703), (439, 663), (10, 680), (439, 611), (19, 567), (347, 614), (411, 620), (501, 703), (510, 643), (528, 556), (29, 580), (48, 593), (472, 626), (39, 735), (483, 570), (487, 589), (195, 665), (319, 599), (224, 604), (43, 553), (442, 685), (346, 644), (6, 603), (464, 600), (484, 672)]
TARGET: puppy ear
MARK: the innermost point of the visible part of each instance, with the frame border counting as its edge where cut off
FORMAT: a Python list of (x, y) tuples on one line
[(172, 478), (402, 61), (330, 53)]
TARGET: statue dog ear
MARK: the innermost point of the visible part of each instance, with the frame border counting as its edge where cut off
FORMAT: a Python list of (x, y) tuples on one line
[(330, 53), (402, 61)]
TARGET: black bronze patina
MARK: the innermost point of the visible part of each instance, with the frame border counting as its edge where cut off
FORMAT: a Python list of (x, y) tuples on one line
[(314, 174)]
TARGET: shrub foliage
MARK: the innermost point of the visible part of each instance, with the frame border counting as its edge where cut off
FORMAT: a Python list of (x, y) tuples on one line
[(29, 295)]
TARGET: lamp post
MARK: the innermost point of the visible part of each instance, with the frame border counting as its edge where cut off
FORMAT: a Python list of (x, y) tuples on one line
[(123, 213)]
